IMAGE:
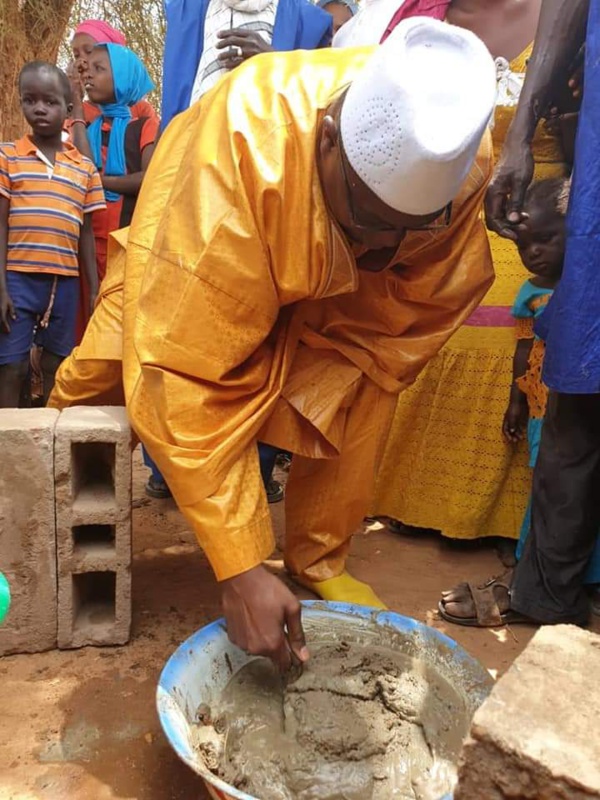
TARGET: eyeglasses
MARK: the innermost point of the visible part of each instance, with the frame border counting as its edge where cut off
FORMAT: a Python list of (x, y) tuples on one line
[(440, 223)]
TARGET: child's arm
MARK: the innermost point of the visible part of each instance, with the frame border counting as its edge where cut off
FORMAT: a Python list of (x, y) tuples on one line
[(78, 129), (7, 310), (87, 257), (515, 419), (129, 184), (79, 136)]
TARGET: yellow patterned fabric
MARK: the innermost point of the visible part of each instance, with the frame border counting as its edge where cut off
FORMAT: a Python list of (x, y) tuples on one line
[(245, 317), (531, 382), (446, 465)]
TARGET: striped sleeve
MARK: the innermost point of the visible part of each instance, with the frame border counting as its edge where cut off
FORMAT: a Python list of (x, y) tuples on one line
[(94, 197), (4, 176)]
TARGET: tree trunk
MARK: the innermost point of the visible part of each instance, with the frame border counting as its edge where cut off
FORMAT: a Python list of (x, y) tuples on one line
[(30, 30)]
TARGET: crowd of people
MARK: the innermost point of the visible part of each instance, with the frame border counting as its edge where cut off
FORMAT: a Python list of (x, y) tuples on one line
[(315, 284)]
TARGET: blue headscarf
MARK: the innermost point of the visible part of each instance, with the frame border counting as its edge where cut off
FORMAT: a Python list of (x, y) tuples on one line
[(131, 82)]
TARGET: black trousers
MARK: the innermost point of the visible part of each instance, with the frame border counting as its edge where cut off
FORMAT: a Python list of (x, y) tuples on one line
[(548, 581)]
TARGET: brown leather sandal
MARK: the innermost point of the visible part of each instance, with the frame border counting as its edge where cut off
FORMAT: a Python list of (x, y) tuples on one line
[(486, 605)]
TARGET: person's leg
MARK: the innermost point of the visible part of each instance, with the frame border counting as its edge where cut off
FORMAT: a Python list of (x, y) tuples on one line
[(565, 504), (267, 455), (12, 378), (534, 437), (548, 581), (56, 330), (156, 487), (83, 380), (88, 382), (327, 500), (93, 373), (49, 363), (15, 345)]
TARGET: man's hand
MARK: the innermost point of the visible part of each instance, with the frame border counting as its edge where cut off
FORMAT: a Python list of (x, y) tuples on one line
[(7, 311), (514, 425), (238, 45), (263, 618), (506, 194)]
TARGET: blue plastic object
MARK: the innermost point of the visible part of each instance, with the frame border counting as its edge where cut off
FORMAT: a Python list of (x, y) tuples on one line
[(202, 666)]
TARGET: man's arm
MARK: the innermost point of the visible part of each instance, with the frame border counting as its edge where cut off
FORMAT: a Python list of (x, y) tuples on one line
[(560, 34)]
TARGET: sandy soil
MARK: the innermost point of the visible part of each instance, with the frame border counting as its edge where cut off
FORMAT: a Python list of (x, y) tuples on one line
[(82, 724)]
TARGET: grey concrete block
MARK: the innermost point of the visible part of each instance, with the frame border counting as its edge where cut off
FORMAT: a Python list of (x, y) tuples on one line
[(93, 466), (28, 528), (93, 507), (535, 737), (94, 607)]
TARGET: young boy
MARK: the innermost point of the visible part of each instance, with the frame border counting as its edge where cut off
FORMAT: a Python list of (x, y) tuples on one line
[(47, 193)]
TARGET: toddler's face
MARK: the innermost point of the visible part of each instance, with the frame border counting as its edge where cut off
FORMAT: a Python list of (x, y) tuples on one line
[(541, 242)]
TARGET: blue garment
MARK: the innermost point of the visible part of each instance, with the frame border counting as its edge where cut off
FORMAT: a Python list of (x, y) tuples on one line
[(31, 293), (299, 25), (266, 454), (522, 306), (156, 473), (131, 82), (534, 437), (571, 328)]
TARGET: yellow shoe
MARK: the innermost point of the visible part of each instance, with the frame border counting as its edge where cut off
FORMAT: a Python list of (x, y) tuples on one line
[(343, 589)]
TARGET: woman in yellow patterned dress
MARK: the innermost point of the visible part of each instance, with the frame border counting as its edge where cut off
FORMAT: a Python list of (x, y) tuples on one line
[(446, 465)]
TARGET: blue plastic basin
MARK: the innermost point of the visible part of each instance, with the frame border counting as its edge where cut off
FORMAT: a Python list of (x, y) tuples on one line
[(202, 666)]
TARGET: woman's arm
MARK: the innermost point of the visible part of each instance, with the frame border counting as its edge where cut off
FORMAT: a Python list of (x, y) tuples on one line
[(129, 184)]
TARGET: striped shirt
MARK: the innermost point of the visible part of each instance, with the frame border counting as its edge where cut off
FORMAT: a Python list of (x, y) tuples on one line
[(47, 204), (223, 15)]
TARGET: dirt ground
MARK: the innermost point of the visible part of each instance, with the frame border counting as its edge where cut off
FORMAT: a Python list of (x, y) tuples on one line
[(82, 724)]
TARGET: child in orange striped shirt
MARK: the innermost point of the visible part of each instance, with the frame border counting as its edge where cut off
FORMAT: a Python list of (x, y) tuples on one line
[(48, 190)]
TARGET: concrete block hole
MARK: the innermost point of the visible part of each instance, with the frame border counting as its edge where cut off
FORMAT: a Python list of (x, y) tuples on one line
[(93, 473), (91, 540), (94, 601)]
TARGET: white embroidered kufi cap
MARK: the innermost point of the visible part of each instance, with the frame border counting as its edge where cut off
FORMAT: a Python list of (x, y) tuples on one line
[(412, 121)]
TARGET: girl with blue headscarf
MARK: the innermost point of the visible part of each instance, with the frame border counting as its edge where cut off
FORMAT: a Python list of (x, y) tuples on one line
[(119, 145)]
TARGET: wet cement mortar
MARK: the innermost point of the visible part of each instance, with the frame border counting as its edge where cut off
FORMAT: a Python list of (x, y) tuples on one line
[(82, 724), (360, 722)]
